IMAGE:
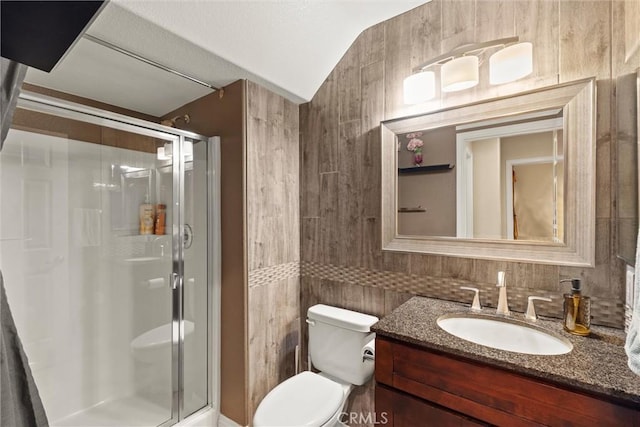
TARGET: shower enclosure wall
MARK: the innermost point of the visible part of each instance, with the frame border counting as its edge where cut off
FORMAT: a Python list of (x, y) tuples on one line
[(120, 328)]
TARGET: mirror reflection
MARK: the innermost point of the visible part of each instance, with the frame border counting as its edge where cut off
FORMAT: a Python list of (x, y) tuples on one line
[(508, 178), (498, 179)]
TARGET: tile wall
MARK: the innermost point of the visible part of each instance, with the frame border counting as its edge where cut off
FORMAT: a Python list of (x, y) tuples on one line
[(341, 259)]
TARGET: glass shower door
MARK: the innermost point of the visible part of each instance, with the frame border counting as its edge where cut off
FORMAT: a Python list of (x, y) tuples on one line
[(189, 276), (90, 274), (196, 290), (153, 337)]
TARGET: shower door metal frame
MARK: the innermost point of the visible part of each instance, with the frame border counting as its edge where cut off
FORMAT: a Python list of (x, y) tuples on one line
[(54, 106), (214, 251), (177, 300)]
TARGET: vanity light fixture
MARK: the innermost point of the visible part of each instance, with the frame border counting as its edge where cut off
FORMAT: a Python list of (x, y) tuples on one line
[(511, 63), (459, 74), (419, 87), (459, 69)]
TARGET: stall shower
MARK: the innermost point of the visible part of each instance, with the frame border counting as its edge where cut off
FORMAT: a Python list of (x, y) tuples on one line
[(119, 322)]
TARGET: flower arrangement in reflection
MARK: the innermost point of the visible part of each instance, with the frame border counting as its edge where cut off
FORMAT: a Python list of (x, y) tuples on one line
[(415, 145)]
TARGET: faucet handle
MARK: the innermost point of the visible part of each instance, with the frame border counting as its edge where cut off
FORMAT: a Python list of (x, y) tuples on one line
[(531, 310), (476, 300), (500, 281)]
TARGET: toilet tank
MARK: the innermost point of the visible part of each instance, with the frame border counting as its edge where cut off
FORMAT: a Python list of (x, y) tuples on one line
[(336, 342)]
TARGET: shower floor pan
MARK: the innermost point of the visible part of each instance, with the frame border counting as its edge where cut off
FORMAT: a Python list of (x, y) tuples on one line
[(127, 411)]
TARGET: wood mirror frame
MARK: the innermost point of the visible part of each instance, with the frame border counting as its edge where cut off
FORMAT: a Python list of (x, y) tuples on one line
[(577, 100)]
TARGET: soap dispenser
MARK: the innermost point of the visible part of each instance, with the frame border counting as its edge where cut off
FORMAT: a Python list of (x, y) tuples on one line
[(577, 310)]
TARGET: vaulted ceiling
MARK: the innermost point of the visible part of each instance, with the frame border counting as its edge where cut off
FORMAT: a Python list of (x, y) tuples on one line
[(288, 46)]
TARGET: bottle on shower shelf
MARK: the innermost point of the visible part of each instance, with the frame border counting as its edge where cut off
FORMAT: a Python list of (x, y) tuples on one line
[(147, 217), (161, 218)]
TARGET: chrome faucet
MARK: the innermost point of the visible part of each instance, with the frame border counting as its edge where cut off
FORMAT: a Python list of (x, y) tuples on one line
[(475, 306), (531, 309), (503, 303)]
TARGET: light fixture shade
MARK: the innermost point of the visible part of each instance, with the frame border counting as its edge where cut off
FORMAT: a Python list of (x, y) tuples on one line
[(460, 73), (511, 63), (419, 87)]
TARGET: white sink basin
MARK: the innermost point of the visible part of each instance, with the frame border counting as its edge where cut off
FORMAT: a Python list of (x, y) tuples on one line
[(504, 334)]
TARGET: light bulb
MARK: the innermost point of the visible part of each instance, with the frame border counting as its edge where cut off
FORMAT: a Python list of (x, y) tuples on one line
[(460, 73), (511, 63), (419, 87)]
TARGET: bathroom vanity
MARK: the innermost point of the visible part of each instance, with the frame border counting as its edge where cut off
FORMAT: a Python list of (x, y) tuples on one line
[(425, 376)]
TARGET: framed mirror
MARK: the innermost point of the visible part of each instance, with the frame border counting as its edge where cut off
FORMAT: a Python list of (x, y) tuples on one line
[(510, 178), (628, 140)]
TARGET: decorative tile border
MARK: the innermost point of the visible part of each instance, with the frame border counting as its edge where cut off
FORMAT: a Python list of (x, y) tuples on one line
[(606, 312), (274, 273)]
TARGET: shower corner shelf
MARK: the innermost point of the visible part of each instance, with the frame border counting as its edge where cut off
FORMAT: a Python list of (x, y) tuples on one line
[(443, 167), (138, 236)]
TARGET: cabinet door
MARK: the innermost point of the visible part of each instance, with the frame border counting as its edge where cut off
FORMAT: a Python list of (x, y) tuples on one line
[(401, 410), (490, 394)]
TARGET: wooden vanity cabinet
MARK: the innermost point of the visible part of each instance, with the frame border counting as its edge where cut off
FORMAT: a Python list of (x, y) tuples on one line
[(420, 387)]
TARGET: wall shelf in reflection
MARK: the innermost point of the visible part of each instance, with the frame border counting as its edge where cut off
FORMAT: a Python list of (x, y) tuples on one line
[(416, 209), (426, 169)]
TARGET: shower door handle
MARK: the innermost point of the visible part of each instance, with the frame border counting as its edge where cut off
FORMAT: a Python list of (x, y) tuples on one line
[(188, 236), (174, 278)]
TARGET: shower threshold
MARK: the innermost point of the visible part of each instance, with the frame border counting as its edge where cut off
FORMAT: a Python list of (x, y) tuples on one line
[(131, 411)]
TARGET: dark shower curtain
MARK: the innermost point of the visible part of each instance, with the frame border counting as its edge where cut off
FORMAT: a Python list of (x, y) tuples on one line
[(20, 404)]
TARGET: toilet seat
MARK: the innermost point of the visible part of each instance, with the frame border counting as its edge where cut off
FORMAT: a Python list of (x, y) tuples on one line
[(307, 399)]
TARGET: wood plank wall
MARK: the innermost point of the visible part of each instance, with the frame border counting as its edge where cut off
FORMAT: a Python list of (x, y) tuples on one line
[(339, 143), (273, 236)]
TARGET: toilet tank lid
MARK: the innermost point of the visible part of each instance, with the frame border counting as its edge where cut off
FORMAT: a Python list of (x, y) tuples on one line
[(341, 317)]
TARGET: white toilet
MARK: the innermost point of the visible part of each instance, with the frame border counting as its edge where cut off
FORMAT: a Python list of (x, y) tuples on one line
[(338, 342)]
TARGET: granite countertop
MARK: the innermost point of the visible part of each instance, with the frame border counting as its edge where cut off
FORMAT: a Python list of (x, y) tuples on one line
[(597, 364)]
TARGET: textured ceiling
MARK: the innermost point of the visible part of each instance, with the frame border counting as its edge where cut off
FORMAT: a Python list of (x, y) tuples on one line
[(289, 46)]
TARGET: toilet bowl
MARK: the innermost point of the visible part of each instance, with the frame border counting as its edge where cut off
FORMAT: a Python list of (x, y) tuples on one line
[(338, 340), (154, 346), (306, 399)]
